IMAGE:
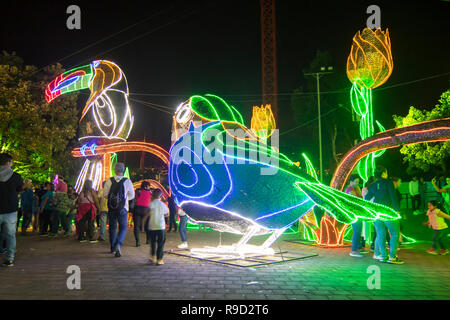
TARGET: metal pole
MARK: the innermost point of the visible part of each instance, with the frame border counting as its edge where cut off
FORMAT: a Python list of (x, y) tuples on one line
[(317, 75), (320, 129)]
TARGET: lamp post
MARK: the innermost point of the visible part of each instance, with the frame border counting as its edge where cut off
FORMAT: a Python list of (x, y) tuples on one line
[(317, 76)]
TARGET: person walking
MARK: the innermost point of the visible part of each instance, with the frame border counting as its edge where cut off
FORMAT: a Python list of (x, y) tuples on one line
[(87, 207), (46, 211), (143, 197), (444, 190), (35, 210), (118, 190), (415, 194), (397, 182), (11, 184), (39, 197), (183, 229), (172, 213), (157, 227), (73, 196), (354, 190), (423, 197), (26, 203), (103, 214), (436, 222), (368, 227), (383, 192)]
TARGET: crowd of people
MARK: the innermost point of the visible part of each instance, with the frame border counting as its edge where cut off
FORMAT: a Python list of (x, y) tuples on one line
[(381, 190), (49, 208)]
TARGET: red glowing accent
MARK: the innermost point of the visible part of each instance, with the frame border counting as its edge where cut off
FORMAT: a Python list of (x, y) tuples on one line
[(428, 131), (50, 94), (126, 146), (106, 150), (331, 234)]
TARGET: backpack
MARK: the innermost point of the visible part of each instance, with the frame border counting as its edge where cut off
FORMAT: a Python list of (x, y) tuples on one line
[(116, 196)]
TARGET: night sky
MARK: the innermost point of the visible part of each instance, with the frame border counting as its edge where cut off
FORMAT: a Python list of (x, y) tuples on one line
[(198, 47)]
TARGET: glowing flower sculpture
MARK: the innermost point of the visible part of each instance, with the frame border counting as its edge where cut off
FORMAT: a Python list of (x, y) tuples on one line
[(369, 65), (228, 178), (263, 121)]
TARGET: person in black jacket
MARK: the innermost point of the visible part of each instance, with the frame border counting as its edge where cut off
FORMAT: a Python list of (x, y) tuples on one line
[(11, 184), (383, 192)]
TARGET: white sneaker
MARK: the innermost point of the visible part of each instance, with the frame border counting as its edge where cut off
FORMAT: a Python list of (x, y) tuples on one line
[(184, 245), (356, 254), (378, 257)]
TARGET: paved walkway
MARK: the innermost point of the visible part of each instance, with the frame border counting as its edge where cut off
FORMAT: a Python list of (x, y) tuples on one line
[(41, 263)]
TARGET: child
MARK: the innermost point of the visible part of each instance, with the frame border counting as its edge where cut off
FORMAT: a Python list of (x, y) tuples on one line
[(157, 227), (436, 221)]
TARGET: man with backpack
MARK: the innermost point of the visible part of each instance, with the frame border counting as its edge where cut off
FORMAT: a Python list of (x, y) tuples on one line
[(118, 190)]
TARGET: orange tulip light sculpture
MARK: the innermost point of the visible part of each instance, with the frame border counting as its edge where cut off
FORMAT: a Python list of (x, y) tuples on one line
[(263, 121)]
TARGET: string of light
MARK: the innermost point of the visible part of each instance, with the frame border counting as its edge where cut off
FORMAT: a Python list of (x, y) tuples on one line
[(106, 38), (339, 91)]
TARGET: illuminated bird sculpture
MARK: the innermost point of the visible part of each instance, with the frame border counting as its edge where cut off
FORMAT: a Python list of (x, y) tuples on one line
[(108, 101), (226, 177), (110, 114)]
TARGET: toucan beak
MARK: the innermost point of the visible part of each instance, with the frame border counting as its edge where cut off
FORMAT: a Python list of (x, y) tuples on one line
[(72, 80)]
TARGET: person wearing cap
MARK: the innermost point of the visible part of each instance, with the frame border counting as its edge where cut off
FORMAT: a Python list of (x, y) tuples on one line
[(118, 217)]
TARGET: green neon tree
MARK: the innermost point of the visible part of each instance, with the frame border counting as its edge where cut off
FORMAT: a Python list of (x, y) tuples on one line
[(369, 65)]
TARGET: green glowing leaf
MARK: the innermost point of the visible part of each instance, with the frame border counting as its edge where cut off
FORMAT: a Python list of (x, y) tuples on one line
[(344, 207), (310, 167)]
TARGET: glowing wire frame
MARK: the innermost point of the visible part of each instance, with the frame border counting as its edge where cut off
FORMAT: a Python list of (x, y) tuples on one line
[(369, 65), (212, 116)]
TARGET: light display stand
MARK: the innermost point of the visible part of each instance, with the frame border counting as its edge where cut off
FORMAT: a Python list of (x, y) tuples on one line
[(248, 262), (241, 249), (242, 254)]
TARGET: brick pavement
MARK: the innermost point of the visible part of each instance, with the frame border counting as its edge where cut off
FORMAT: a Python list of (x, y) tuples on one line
[(41, 262)]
